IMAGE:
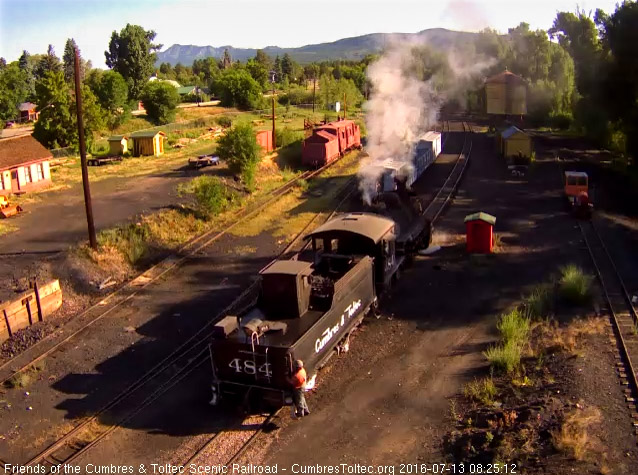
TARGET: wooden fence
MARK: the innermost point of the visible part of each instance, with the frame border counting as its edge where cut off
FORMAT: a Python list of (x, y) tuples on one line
[(29, 307)]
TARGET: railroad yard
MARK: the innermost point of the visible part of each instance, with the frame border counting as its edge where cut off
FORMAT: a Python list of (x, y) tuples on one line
[(391, 254), (123, 392)]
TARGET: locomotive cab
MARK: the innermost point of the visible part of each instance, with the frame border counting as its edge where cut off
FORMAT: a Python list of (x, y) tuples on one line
[(361, 234)]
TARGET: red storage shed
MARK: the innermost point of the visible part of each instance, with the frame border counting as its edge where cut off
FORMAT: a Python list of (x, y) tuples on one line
[(479, 233), (264, 139)]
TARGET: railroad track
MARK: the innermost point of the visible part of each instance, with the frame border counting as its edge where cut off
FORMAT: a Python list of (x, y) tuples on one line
[(170, 371), (621, 311), (447, 191), (134, 287)]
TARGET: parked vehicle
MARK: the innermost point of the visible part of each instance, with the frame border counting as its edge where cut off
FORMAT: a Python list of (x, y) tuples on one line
[(203, 161)]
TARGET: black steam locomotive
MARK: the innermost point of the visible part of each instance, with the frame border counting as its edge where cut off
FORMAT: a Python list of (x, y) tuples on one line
[(305, 309)]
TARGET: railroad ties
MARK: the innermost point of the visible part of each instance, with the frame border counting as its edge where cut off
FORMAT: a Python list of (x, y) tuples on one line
[(447, 191), (622, 313)]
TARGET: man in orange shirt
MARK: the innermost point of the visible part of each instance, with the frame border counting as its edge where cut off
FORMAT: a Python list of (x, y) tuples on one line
[(298, 382)]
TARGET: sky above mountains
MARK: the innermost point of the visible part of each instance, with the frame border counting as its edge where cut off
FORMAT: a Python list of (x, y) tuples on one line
[(33, 24)]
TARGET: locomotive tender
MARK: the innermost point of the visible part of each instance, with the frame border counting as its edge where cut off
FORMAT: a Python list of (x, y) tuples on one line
[(305, 309)]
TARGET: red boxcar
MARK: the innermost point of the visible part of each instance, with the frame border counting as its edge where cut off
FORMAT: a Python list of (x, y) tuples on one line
[(329, 141)]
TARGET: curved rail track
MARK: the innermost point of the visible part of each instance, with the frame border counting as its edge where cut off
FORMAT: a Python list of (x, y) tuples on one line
[(161, 378), (131, 289), (621, 311)]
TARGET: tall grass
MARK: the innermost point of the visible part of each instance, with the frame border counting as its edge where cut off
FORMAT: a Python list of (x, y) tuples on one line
[(514, 327), (574, 286), (538, 304), (130, 240), (504, 357), (481, 390)]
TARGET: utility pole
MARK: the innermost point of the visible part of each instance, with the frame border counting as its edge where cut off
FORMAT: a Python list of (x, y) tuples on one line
[(345, 106), (274, 137), (85, 172), (314, 93)]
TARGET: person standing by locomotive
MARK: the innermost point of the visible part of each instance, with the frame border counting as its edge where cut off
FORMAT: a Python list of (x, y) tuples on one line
[(298, 382)]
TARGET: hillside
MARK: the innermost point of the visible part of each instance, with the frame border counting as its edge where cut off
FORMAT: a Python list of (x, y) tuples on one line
[(347, 48)]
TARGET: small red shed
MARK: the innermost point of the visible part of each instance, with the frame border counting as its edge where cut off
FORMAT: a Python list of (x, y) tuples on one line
[(264, 139), (479, 233)]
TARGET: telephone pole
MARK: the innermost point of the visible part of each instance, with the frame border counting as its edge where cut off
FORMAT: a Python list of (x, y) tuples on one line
[(274, 137), (85, 172), (314, 93)]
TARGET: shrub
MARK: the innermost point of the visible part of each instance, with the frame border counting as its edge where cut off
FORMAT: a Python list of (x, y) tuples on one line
[(224, 121), (286, 137), (160, 101), (514, 327), (504, 357), (240, 149), (483, 391), (574, 286), (211, 194), (130, 240), (236, 88), (538, 303)]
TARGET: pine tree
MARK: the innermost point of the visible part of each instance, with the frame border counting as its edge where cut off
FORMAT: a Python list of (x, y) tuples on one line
[(69, 59)]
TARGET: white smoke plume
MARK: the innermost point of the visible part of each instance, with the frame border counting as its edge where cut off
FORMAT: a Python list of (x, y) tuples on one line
[(402, 106)]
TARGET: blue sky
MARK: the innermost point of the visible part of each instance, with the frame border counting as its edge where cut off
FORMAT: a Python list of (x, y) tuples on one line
[(33, 24)]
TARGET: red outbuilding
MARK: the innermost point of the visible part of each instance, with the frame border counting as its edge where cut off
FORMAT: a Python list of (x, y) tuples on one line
[(264, 139), (479, 229)]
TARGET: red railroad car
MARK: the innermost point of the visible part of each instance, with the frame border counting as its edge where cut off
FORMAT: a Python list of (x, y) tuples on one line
[(330, 141)]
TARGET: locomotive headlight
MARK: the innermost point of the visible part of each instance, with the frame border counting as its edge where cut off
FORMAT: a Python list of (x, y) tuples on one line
[(215, 396), (288, 400)]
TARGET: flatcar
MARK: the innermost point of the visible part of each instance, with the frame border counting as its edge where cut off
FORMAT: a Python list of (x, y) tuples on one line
[(330, 141), (305, 310)]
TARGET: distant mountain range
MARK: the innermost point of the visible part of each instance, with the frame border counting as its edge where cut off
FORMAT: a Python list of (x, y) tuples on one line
[(347, 48)]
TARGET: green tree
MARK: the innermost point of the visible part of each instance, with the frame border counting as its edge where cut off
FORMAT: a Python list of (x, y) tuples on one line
[(13, 91), (55, 125), (279, 75), (3, 63), (49, 63), (240, 149), (68, 60), (332, 90), (25, 66), (258, 72), (621, 84), (111, 92), (167, 71), (94, 117), (206, 69), (287, 67), (160, 101), (236, 88), (132, 54)]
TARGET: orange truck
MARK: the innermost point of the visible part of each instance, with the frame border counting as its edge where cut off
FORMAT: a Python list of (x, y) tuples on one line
[(577, 192)]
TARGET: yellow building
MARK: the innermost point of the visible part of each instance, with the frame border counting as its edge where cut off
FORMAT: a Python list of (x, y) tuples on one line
[(506, 94), (148, 143), (514, 140), (118, 145)]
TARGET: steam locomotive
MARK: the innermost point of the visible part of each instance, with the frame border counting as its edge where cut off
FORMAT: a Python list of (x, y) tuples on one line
[(306, 309)]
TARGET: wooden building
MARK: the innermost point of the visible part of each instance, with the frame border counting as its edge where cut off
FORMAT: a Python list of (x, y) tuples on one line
[(513, 140), (28, 112), (264, 139), (118, 145), (148, 143), (24, 165), (506, 94)]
